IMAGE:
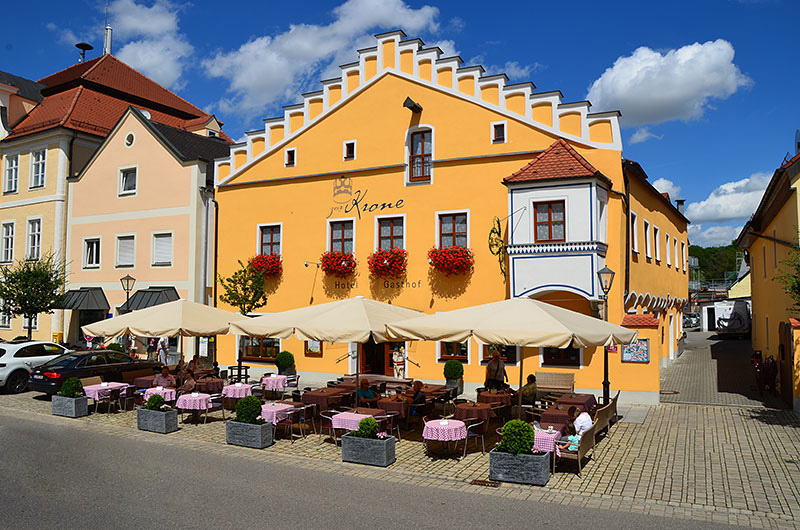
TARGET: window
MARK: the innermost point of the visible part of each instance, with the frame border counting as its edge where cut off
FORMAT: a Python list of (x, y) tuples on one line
[(349, 150), (34, 323), (212, 134), (91, 253), (7, 244), (290, 157), (270, 240), (499, 132), (569, 356), (420, 158), (259, 348), (683, 252), (668, 252), (648, 247), (38, 350), (313, 348), (550, 221), (12, 174), (454, 350), (5, 318), (162, 249), (38, 159), (126, 251), (390, 233), (127, 181), (507, 353), (342, 237), (657, 241), (34, 251), (677, 257), (117, 358), (453, 230), (634, 233)]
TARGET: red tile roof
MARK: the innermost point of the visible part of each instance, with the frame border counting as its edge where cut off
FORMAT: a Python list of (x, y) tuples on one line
[(636, 320), (558, 161)]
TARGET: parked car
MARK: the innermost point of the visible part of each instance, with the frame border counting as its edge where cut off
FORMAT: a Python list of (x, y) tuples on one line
[(109, 365), (19, 358), (691, 320)]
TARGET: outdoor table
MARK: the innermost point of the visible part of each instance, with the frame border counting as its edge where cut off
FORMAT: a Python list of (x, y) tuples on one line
[(167, 393), (295, 404), (274, 383), (209, 385), (555, 415), (546, 441), (322, 396), (454, 430), (275, 412), (348, 420), (370, 411), (429, 390), (189, 402), (585, 402), (144, 382), (501, 397), (98, 391), (352, 386), (236, 392), (480, 411), (391, 404)]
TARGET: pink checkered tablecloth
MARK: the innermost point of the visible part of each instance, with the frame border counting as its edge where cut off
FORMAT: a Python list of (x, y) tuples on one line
[(167, 393), (233, 391), (347, 420), (275, 412), (545, 441), (275, 382), (98, 391), (190, 402), (454, 430)]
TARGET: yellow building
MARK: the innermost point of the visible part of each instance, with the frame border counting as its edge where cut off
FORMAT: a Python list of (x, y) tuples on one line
[(768, 237), (410, 149)]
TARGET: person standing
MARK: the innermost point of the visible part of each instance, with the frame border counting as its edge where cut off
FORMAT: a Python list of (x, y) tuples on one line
[(163, 349), (399, 363), (496, 375)]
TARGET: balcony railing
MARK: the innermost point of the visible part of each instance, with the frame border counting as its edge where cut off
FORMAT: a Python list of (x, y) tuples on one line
[(570, 247)]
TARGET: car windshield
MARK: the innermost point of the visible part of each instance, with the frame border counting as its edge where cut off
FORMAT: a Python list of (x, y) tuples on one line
[(2, 351), (61, 361)]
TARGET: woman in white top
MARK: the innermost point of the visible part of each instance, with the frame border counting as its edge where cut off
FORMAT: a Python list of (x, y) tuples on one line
[(581, 420)]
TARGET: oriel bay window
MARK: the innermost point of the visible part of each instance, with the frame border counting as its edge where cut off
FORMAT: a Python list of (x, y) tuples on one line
[(454, 350), (390, 233), (271, 240), (420, 157), (452, 230), (550, 221), (261, 349), (561, 356), (342, 237)]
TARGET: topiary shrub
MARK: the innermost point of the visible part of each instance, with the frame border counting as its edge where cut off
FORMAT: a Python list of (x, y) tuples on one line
[(156, 402), (518, 438), (71, 388), (453, 369), (248, 410), (284, 360), (367, 428)]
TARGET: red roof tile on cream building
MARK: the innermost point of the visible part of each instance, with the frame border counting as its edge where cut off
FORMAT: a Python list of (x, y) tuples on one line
[(558, 161), (644, 320)]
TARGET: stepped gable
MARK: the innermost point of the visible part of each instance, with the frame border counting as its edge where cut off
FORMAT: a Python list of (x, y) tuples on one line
[(559, 161)]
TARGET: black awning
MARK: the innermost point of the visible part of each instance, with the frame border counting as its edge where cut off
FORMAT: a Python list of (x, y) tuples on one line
[(149, 297), (85, 299)]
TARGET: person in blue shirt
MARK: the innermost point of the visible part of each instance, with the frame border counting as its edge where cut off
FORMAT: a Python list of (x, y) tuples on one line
[(367, 396)]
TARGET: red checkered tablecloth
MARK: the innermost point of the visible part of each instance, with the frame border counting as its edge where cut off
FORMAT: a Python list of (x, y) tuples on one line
[(454, 430)]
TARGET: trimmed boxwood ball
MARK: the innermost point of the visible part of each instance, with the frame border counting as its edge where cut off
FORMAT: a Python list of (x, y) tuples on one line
[(518, 438), (248, 409), (367, 428), (154, 402), (71, 388), (284, 360), (453, 369)]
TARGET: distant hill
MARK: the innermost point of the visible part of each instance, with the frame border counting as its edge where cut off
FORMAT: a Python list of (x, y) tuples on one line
[(716, 263)]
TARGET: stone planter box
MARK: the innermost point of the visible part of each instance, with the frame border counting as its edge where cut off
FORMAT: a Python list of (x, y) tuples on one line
[(248, 434), (369, 451), (523, 469), (157, 421), (70, 407), (455, 383)]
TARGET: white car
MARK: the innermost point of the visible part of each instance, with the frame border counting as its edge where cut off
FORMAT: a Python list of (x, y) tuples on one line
[(17, 359)]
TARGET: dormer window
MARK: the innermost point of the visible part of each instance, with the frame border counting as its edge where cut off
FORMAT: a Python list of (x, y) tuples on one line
[(212, 134)]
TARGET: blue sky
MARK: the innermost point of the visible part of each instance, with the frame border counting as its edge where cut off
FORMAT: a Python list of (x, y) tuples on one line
[(707, 89)]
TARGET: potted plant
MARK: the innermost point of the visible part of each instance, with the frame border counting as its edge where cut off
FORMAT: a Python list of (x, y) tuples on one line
[(451, 260), (368, 446), (454, 375), (388, 263), (70, 401), (284, 360), (513, 461), (270, 265), (157, 416), (339, 264), (248, 428)]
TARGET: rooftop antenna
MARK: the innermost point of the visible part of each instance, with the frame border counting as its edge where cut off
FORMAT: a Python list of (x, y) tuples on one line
[(107, 35), (83, 47)]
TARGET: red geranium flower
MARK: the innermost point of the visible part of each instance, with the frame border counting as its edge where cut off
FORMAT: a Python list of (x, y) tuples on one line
[(338, 264), (268, 264), (451, 260), (388, 263)]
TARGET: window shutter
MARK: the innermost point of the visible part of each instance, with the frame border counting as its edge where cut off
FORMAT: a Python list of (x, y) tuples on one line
[(125, 253), (162, 249)]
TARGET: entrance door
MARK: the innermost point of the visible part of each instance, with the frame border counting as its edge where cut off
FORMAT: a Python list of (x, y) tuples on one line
[(672, 336), (786, 361), (712, 319), (373, 358)]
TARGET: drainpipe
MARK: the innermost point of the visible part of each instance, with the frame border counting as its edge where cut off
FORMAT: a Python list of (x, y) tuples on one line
[(216, 245), (71, 143), (206, 194), (627, 236)]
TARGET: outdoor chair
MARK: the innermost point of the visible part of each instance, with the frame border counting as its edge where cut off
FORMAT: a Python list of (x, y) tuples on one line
[(292, 381), (382, 388), (445, 402), (602, 419), (307, 389), (223, 374), (289, 421), (94, 380), (480, 389), (459, 401), (331, 384), (585, 444), (216, 404), (613, 418), (431, 417), (296, 396), (533, 414), (131, 395), (307, 414), (347, 399), (326, 422), (499, 410), (475, 429), (112, 398), (393, 423), (420, 411)]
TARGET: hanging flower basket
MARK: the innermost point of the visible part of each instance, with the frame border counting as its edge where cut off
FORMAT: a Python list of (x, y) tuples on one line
[(270, 265), (451, 260), (388, 263), (338, 264)]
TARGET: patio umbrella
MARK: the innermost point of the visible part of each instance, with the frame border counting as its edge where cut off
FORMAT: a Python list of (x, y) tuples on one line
[(514, 322)]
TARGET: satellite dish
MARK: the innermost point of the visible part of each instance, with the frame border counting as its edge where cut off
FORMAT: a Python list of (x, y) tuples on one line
[(84, 47), (145, 113)]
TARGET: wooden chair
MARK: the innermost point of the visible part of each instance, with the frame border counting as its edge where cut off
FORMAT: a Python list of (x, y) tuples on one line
[(602, 419), (584, 446), (94, 380), (613, 418)]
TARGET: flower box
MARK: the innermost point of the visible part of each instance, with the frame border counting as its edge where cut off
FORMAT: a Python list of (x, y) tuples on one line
[(257, 436), (370, 451), (338, 264), (388, 264), (270, 265), (76, 407), (159, 421), (531, 468), (451, 260)]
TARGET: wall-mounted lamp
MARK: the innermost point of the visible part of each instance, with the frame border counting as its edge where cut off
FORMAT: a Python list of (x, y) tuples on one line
[(307, 263), (412, 105)]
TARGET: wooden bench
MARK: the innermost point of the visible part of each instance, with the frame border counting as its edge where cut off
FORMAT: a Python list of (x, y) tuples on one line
[(94, 380), (128, 377), (555, 382)]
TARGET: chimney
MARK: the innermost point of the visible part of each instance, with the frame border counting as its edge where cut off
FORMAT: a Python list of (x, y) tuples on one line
[(679, 204), (107, 40)]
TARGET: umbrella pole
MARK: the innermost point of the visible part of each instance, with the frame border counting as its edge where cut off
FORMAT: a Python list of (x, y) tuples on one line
[(519, 392), (358, 371)]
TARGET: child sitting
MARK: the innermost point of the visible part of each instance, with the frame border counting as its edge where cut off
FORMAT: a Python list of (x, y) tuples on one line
[(572, 438)]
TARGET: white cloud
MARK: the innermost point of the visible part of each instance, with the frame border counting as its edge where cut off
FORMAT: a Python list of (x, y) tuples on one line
[(448, 47), (131, 20), (643, 134), (516, 72), (667, 186), (651, 87), (731, 201), (713, 236), (268, 69)]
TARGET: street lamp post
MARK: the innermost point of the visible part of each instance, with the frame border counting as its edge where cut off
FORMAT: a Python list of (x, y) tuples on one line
[(606, 277), (127, 283)]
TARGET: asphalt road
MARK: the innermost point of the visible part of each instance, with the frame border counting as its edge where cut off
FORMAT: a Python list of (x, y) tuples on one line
[(60, 475)]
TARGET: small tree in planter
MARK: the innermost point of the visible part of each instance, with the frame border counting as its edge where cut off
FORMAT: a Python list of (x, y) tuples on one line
[(70, 401), (248, 428), (284, 360), (454, 375), (157, 416), (368, 446), (513, 461)]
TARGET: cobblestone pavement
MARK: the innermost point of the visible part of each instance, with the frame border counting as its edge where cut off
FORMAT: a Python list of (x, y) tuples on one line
[(714, 371), (707, 463)]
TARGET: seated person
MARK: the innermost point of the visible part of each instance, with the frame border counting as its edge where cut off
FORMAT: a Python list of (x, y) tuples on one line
[(581, 420), (194, 364), (529, 391), (215, 369), (418, 398), (164, 379), (366, 395), (569, 442), (188, 382)]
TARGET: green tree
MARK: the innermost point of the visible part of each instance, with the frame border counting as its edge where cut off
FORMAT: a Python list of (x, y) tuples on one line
[(244, 289), (789, 276), (31, 287), (715, 263)]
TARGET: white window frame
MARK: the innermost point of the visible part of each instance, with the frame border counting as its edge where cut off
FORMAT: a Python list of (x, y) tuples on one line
[(328, 232), (13, 225), (634, 232), (43, 164), (450, 212), (668, 251), (28, 233), (84, 245), (286, 157), (439, 351), (153, 236), (344, 150), (677, 257), (258, 236), (120, 172), (683, 251), (542, 365), (657, 241), (7, 167), (117, 238), (376, 241), (492, 140), (648, 247), (5, 318), (407, 154), (35, 326)]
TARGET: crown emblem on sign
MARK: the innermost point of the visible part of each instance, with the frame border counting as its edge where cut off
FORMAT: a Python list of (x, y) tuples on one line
[(343, 185)]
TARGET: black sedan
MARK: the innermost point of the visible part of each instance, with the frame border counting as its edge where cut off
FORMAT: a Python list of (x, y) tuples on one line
[(109, 365)]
